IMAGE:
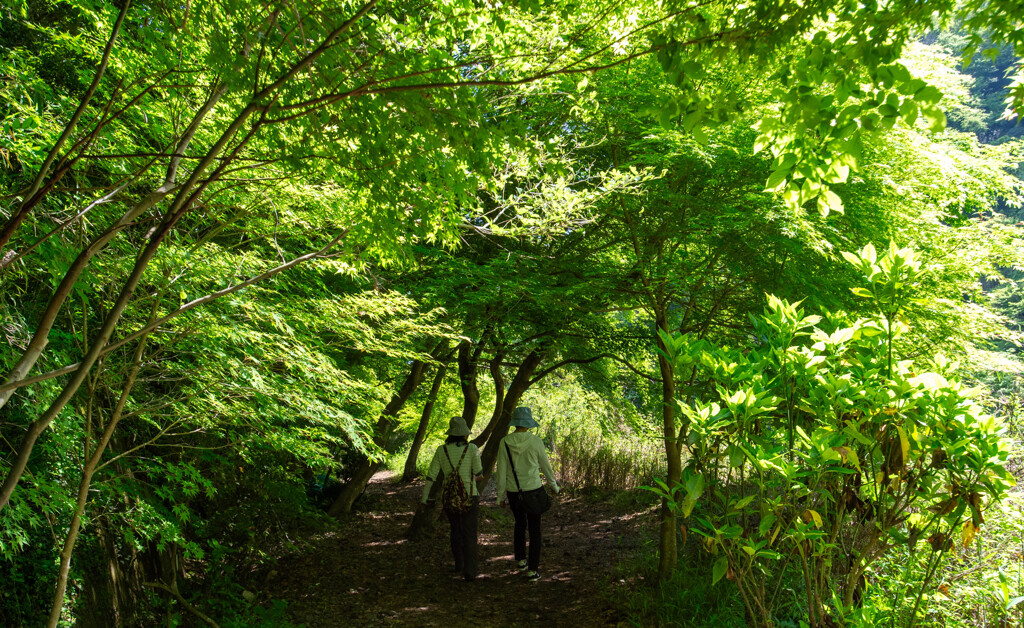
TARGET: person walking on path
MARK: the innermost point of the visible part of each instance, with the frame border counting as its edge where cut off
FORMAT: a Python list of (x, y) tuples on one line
[(521, 460), (458, 453)]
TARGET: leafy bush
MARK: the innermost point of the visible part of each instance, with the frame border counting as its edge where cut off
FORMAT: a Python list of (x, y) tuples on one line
[(978, 585), (823, 451)]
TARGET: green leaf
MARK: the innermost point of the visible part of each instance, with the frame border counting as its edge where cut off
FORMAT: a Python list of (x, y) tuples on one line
[(833, 201), (786, 161), (719, 569), (766, 524), (869, 253), (888, 111), (851, 258), (761, 143), (928, 95), (693, 69), (909, 111), (700, 135), (744, 502), (935, 117), (776, 180)]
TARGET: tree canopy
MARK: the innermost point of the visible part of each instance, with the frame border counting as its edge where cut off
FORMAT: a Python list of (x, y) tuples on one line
[(247, 248)]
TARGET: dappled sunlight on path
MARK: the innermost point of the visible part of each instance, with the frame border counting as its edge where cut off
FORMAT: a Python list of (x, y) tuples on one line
[(366, 573)]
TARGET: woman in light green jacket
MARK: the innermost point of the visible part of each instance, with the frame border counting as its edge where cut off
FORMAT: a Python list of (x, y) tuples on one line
[(529, 460)]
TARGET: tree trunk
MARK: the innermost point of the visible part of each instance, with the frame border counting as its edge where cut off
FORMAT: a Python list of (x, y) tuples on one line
[(92, 464), (355, 487), (499, 399), (426, 515), (667, 547), (467, 380), (410, 472), (520, 383), (110, 591)]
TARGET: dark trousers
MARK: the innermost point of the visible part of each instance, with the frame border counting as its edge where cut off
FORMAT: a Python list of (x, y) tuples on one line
[(463, 537), (525, 521)]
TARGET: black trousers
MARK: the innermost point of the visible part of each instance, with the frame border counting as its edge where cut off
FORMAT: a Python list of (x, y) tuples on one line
[(525, 521), (463, 538)]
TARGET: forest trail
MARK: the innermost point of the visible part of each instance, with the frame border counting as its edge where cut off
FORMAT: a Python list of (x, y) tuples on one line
[(365, 573)]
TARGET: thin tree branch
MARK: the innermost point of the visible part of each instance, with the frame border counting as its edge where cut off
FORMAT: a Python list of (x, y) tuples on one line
[(181, 310), (173, 590), (32, 196)]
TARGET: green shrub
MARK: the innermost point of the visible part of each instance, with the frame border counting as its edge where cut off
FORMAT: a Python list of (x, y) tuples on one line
[(823, 455), (978, 586)]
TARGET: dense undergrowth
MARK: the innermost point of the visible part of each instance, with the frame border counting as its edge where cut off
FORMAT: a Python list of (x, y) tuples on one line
[(980, 585)]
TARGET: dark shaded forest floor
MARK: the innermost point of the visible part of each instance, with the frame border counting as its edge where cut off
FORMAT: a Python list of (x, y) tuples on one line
[(366, 573)]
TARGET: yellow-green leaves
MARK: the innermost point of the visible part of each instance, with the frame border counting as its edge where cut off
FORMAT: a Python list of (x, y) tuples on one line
[(889, 280), (683, 496), (829, 201), (844, 440)]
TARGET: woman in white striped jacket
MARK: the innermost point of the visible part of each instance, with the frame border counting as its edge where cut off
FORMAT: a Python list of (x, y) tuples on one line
[(459, 452)]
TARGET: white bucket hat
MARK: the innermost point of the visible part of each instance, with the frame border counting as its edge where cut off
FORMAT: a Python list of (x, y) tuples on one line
[(523, 417), (457, 427)]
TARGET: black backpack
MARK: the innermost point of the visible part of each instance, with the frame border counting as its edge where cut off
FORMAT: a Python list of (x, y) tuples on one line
[(454, 496)]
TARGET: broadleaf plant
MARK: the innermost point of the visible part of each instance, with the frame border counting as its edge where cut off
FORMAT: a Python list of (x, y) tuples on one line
[(822, 450)]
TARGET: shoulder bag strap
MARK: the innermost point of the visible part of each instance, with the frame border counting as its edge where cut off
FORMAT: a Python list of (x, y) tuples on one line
[(511, 464), (455, 469)]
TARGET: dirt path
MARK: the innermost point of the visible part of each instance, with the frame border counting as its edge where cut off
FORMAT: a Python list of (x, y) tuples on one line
[(367, 574)]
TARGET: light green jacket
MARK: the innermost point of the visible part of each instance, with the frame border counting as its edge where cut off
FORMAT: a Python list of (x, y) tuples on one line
[(530, 459), (439, 464)]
